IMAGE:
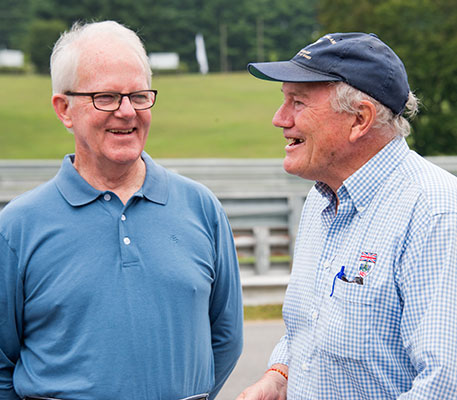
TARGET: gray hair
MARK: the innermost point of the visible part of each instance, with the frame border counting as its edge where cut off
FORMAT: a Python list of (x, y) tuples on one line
[(346, 99), (67, 50)]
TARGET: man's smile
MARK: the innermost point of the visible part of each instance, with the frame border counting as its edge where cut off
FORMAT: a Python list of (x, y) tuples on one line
[(294, 141), (122, 131)]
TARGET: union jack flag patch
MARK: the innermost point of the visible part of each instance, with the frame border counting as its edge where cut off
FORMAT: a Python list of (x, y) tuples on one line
[(366, 263)]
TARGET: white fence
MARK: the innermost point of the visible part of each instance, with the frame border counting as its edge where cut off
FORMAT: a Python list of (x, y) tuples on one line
[(262, 201)]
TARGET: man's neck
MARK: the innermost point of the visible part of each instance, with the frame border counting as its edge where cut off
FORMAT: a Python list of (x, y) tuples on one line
[(123, 180)]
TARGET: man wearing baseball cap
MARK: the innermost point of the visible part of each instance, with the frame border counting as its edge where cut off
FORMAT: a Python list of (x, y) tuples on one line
[(371, 304)]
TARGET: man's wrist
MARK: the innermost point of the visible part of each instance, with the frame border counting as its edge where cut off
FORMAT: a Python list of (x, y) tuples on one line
[(279, 372), (279, 369)]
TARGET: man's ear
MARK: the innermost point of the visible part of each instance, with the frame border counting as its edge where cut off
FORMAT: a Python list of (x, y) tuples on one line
[(363, 121), (62, 109)]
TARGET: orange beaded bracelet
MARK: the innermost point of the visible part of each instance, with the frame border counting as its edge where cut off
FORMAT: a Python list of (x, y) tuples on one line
[(278, 370)]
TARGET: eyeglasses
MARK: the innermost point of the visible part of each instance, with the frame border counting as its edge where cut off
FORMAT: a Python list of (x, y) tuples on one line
[(111, 101)]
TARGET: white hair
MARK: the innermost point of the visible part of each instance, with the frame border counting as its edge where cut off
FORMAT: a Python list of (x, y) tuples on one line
[(347, 98), (68, 48)]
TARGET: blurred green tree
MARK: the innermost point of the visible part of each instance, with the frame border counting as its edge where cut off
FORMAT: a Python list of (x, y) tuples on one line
[(42, 36), (14, 17), (424, 34), (235, 31)]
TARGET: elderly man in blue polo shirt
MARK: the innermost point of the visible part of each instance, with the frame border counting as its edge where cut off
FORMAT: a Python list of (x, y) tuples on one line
[(371, 306), (118, 279)]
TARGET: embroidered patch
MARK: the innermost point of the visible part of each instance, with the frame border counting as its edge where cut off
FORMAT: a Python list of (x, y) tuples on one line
[(366, 263)]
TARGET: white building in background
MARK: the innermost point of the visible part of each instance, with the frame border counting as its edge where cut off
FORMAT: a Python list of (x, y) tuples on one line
[(11, 58), (159, 61)]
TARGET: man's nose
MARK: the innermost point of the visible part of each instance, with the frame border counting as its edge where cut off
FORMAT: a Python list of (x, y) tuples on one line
[(126, 107), (283, 117)]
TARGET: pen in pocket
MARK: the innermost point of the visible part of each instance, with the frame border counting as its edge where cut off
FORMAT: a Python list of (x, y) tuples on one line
[(340, 275)]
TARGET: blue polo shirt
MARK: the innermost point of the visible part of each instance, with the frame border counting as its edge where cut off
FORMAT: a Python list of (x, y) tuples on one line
[(101, 300)]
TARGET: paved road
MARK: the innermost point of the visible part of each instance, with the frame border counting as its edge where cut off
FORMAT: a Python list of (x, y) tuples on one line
[(259, 341)]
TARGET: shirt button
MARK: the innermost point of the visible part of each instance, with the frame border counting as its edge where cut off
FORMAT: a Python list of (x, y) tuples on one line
[(361, 209), (327, 265), (126, 240), (305, 366), (123, 217), (107, 197), (315, 315)]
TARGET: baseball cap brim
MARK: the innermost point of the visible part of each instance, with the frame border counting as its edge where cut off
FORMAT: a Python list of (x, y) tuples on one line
[(288, 71)]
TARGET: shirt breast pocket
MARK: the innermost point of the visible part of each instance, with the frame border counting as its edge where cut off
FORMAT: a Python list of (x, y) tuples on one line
[(345, 323)]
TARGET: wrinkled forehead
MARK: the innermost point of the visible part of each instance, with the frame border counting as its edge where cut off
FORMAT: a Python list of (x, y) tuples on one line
[(105, 55), (103, 51), (307, 89)]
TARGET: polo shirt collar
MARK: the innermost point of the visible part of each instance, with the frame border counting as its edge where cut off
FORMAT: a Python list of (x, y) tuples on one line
[(155, 187), (77, 191)]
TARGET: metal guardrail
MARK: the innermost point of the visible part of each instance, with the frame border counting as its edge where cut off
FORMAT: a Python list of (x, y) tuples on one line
[(262, 201), (227, 178)]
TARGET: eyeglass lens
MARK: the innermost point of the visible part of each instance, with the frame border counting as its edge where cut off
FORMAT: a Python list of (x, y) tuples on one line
[(141, 100)]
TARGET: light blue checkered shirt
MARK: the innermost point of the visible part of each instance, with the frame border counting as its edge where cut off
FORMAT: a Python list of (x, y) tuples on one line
[(395, 335)]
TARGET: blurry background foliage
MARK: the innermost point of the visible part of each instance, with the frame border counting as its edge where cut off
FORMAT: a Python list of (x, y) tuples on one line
[(422, 32)]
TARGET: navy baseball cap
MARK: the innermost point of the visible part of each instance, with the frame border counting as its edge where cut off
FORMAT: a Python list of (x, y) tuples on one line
[(361, 60)]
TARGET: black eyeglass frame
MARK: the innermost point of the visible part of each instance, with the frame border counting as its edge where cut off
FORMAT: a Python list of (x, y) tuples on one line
[(93, 94)]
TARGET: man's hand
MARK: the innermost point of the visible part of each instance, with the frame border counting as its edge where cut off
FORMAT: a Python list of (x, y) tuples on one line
[(272, 386)]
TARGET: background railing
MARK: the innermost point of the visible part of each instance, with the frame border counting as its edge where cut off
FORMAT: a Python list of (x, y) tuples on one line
[(262, 201)]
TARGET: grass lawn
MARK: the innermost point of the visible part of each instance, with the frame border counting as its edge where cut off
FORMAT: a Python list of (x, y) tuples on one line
[(270, 311), (211, 116)]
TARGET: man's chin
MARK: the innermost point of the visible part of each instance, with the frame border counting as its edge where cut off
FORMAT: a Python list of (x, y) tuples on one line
[(290, 167)]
